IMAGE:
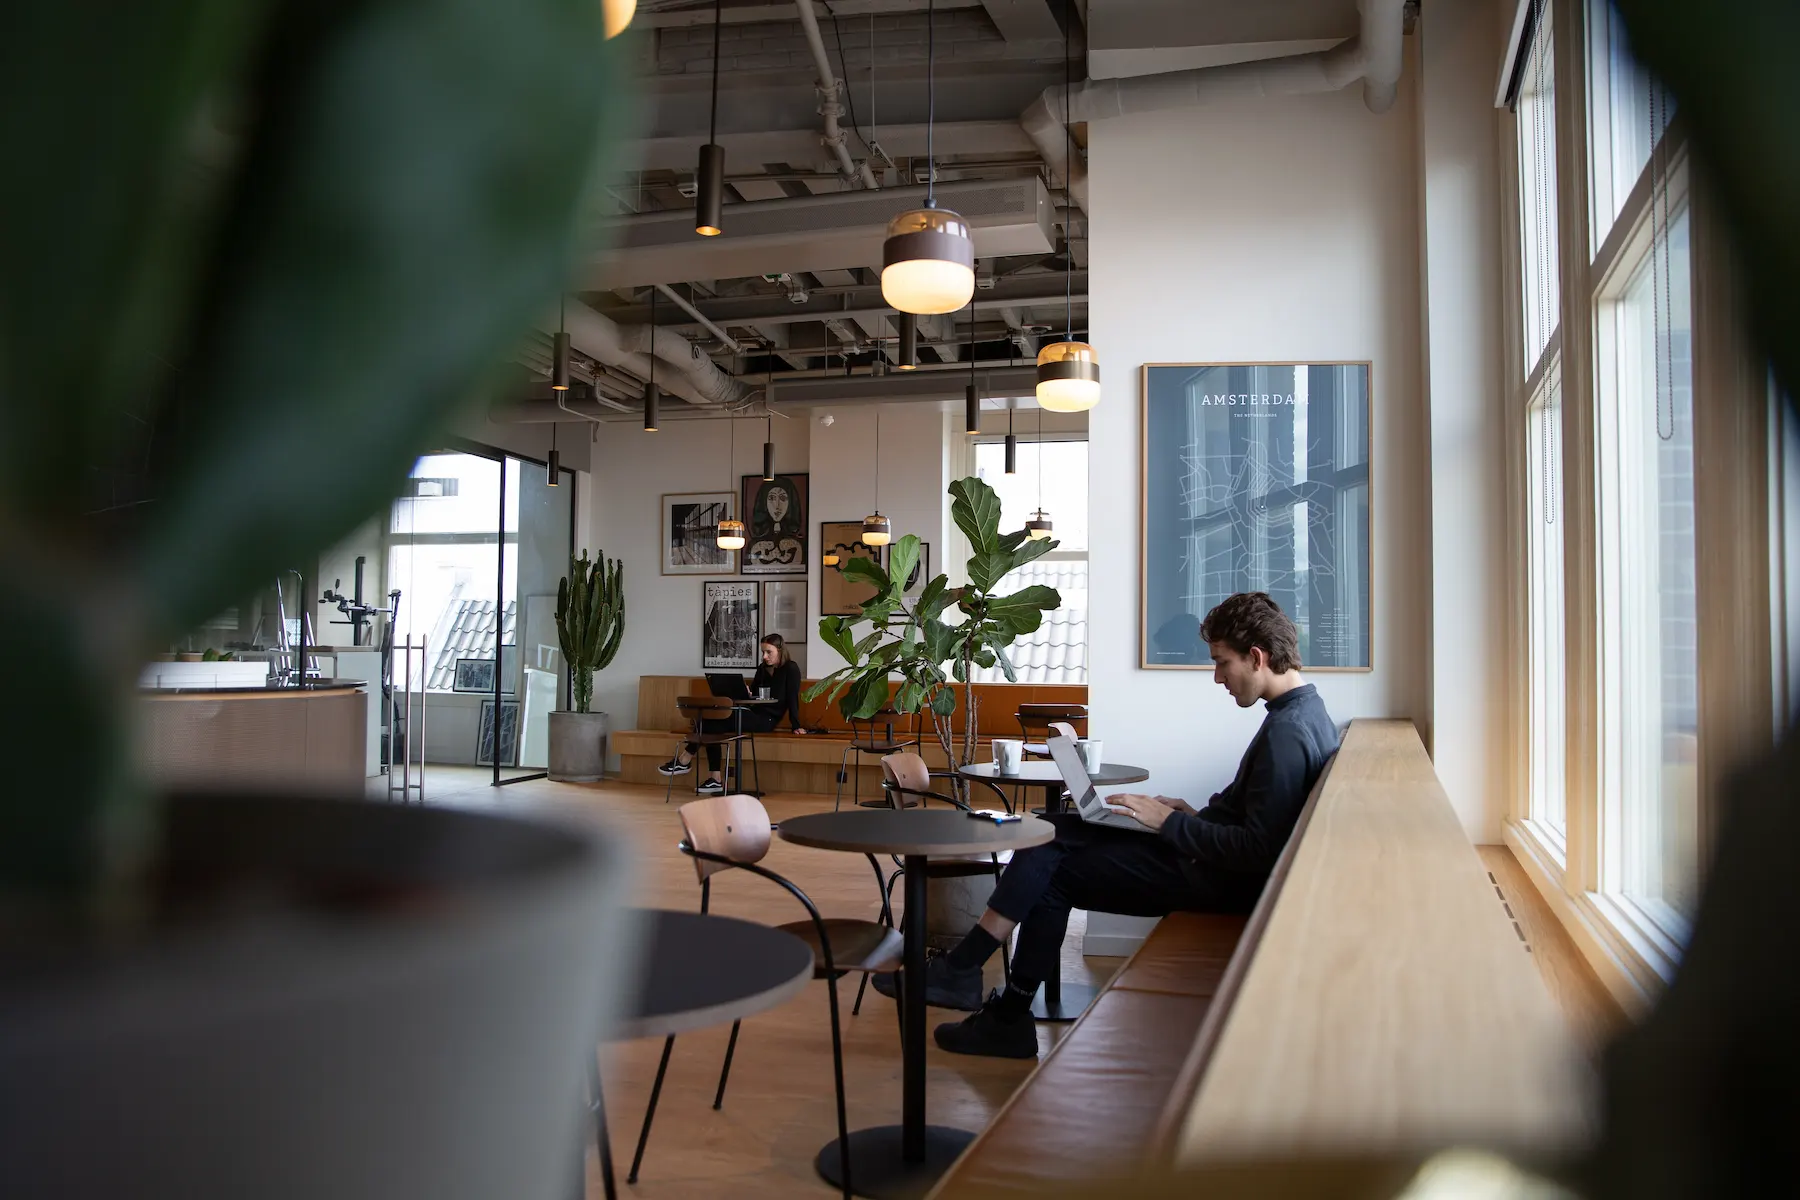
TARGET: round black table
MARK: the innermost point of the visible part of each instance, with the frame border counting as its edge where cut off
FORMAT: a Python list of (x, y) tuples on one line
[(905, 1160), (701, 971), (1056, 1002)]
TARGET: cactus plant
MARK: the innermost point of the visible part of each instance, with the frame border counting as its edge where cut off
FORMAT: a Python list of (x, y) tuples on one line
[(590, 620)]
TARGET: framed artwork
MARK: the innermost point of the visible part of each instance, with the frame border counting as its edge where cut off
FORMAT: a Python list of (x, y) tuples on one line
[(840, 597), (730, 618), (775, 519), (689, 545), (474, 675), (509, 734), (1256, 478), (784, 612)]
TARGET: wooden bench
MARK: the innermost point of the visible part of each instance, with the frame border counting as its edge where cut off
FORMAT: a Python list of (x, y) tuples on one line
[(792, 763), (1376, 1000)]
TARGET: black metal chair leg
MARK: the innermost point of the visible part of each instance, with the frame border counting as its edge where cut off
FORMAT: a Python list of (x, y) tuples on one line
[(837, 1071), (856, 1009), (602, 1139), (637, 1159), (725, 1071), (842, 760)]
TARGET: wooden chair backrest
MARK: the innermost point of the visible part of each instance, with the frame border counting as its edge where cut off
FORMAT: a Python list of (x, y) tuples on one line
[(1036, 718), (696, 708), (1064, 729), (734, 827), (909, 774)]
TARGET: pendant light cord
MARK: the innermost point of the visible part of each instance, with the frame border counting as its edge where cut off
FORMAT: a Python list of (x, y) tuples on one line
[(930, 103), (652, 335), (718, 16), (1040, 454), (878, 459), (1068, 208)]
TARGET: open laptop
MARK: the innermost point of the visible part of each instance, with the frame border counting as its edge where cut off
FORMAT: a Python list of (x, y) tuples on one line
[(1088, 803), (728, 686)]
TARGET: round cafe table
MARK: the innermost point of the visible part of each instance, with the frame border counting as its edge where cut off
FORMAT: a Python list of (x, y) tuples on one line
[(1055, 1001), (905, 1160), (700, 971)]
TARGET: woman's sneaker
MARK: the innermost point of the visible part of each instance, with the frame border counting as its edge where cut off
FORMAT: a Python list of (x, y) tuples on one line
[(712, 787), (675, 767)]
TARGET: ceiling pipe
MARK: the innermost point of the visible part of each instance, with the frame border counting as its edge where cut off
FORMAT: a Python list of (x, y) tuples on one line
[(695, 377), (725, 339), (1373, 56), (830, 106)]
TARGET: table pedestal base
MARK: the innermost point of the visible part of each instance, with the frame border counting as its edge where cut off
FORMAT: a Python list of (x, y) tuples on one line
[(1072, 1000), (877, 1168)]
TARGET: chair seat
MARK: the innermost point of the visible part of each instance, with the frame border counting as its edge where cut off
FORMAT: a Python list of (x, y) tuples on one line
[(882, 747), (855, 945)]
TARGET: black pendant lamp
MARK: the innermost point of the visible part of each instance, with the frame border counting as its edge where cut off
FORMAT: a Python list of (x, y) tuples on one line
[(972, 397), (731, 530), (769, 450), (1039, 527), (709, 191), (652, 394), (553, 469), (928, 260), (909, 342), (1068, 372), (1012, 443), (877, 530)]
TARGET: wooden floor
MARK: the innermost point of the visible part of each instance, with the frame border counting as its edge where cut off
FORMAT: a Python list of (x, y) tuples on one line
[(778, 1110)]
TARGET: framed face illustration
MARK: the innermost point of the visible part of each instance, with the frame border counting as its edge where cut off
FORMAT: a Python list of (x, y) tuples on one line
[(775, 516)]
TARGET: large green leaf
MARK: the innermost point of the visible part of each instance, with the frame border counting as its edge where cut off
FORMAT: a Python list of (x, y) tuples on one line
[(863, 570), (1006, 667), (933, 599), (976, 510), (943, 701), (407, 201), (868, 697), (835, 632), (903, 556), (1023, 610)]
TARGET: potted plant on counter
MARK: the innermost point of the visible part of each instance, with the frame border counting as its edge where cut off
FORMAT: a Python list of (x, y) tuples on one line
[(590, 621), (289, 241)]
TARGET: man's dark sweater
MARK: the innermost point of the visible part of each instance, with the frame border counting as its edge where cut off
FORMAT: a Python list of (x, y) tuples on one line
[(1242, 829)]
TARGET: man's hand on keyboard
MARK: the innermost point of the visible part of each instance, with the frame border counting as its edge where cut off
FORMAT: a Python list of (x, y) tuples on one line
[(1148, 811)]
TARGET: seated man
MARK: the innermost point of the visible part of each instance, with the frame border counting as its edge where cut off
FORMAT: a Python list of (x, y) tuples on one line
[(1214, 860)]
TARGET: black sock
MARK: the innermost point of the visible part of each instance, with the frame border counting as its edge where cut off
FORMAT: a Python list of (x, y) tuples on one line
[(1014, 1000), (977, 946)]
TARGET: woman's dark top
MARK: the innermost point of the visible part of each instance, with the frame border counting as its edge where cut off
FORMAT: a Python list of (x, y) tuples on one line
[(783, 683)]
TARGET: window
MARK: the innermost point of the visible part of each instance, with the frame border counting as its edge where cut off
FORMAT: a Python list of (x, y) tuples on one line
[(1544, 545), (1057, 652), (1535, 107), (1626, 117)]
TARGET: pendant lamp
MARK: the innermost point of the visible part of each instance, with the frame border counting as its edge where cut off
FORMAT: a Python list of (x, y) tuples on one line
[(928, 260), (877, 530), (769, 449), (731, 530), (1039, 527), (1068, 372), (972, 397), (617, 15), (553, 468), (1012, 443), (709, 192), (909, 342), (652, 394)]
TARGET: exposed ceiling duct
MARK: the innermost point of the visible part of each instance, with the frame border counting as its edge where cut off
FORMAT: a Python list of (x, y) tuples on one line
[(831, 106), (681, 367), (817, 233), (1372, 56)]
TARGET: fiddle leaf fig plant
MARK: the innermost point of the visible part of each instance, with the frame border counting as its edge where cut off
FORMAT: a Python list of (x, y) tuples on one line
[(590, 620), (938, 639), (244, 283)]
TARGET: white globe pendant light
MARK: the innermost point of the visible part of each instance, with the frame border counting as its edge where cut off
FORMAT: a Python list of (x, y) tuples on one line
[(928, 259), (617, 15)]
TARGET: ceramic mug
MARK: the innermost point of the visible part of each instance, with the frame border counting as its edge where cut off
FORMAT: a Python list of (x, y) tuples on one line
[(1090, 753), (1007, 753)]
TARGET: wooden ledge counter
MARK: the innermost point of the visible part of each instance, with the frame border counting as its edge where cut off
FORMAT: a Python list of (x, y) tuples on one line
[(310, 739)]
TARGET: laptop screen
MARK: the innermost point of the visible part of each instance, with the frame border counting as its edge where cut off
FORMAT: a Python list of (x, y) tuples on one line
[(1075, 776), (728, 686)]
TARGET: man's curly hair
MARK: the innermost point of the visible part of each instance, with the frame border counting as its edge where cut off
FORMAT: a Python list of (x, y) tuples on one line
[(1251, 619)]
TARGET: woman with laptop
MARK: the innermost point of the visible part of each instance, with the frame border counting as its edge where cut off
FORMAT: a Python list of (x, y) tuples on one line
[(1216, 859), (781, 675)]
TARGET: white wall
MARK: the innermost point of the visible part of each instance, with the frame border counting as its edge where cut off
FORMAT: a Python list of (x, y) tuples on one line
[(631, 471), (1460, 43), (1275, 229)]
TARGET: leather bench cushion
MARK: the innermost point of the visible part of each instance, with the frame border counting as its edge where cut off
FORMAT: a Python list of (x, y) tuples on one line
[(1185, 954)]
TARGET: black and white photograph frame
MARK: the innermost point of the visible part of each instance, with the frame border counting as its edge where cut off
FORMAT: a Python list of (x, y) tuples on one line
[(784, 612), (730, 616), (474, 675), (509, 734), (775, 525), (689, 533)]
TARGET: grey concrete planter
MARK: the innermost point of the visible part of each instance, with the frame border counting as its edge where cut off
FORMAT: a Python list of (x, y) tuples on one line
[(578, 746), (336, 999)]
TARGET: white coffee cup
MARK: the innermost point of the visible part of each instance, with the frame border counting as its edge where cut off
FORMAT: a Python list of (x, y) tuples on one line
[(1090, 753), (1007, 753)]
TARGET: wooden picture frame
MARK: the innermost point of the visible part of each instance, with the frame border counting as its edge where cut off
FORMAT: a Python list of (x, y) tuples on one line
[(689, 521), (776, 519), (1194, 488), (840, 597), (730, 624)]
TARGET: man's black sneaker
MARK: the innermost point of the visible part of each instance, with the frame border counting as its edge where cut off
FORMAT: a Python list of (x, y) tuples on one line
[(945, 986), (989, 1034), (712, 787), (675, 767)]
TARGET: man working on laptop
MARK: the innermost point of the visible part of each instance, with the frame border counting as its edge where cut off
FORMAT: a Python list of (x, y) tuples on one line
[(1213, 860)]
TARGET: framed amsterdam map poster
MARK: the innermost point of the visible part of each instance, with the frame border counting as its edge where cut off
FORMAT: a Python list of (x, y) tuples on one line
[(1256, 479)]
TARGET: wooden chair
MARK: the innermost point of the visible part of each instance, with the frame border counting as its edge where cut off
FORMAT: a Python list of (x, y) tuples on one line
[(1034, 719), (876, 735), (1057, 729), (698, 709), (906, 783), (726, 832)]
